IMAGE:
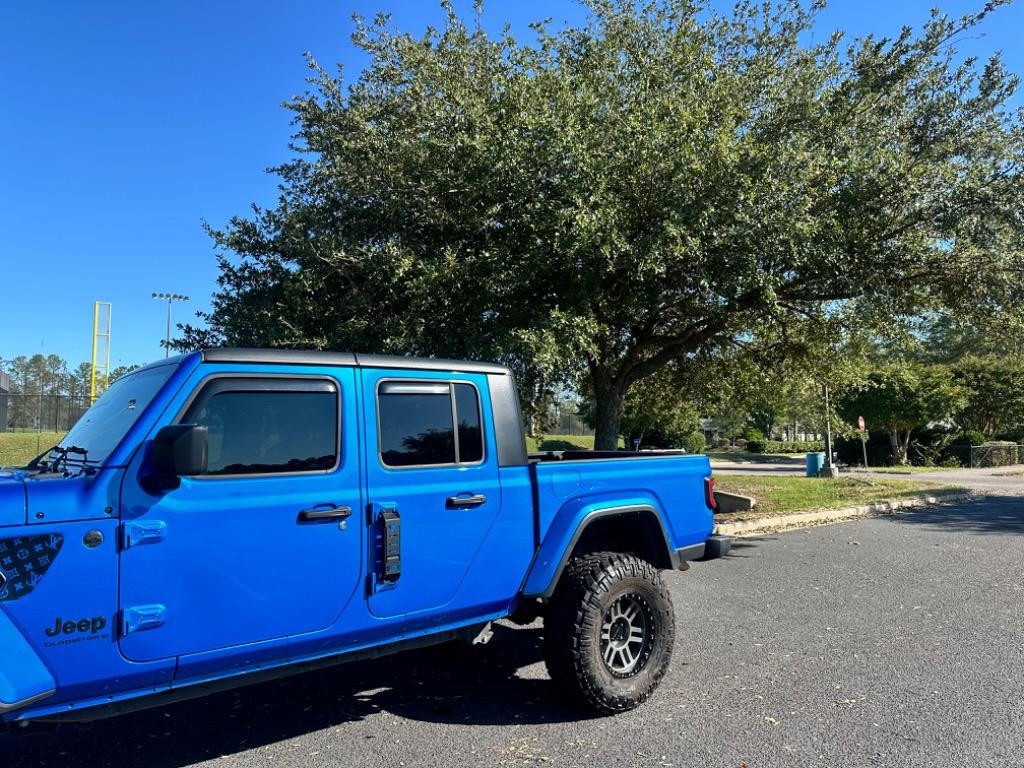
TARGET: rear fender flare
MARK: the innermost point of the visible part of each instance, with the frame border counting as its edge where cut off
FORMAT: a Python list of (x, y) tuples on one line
[(565, 531)]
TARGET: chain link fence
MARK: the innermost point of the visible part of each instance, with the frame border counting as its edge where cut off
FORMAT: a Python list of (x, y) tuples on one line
[(997, 454), (569, 423), (994, 454), (40, 412)]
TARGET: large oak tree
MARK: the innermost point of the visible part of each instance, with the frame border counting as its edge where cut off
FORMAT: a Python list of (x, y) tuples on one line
[(658, 183)]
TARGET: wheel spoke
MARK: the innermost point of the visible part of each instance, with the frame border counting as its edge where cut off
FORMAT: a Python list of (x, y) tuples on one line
[(628, 658), (609, 654)]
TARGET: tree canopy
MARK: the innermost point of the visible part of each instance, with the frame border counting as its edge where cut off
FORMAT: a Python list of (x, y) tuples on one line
[(902, 397), (661, 182), (995, 393)]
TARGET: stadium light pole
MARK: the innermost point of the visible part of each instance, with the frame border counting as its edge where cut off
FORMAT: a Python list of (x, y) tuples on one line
[(170, 298)]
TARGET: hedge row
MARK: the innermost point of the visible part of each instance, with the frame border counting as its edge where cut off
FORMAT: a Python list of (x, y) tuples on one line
[(785, 446)]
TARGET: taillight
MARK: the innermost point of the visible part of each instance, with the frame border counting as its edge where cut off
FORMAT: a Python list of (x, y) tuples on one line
[(709, 493)]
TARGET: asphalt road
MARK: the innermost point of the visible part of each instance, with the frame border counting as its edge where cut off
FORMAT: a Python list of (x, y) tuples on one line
[(893, 641)]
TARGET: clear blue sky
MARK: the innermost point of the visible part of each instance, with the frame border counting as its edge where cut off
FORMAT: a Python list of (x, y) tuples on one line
[(124, 124)]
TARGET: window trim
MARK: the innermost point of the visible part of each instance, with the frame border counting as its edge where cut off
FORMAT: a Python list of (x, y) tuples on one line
[(279, 377), (455, 423)]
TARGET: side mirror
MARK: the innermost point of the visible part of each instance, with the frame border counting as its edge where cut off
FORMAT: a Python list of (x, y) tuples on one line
[(178, 450)]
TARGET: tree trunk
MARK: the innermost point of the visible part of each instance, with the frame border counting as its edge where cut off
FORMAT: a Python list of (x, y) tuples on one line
[(609, 400), (900, 446), (894, 443)]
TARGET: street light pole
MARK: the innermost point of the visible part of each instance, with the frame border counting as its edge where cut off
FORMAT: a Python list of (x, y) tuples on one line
[(170, 298), (828, 429), (829, 470)]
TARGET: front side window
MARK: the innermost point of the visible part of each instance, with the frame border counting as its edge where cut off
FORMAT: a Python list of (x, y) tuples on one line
[(429, 423), (260, 427)]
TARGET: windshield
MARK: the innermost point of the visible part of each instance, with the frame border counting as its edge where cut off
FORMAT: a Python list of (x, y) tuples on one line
[(104, 425)]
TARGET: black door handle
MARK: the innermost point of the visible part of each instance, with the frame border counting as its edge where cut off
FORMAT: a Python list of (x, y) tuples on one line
[(314, 515), (462, 502)]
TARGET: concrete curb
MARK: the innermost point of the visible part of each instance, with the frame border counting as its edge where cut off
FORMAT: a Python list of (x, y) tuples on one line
[(806, 519)]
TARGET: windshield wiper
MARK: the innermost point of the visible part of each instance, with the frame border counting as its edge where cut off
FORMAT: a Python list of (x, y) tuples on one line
[(38, 460), (63, 456)]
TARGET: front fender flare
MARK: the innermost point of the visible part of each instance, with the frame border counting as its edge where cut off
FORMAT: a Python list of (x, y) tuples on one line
[(24, 678), (565, 531)]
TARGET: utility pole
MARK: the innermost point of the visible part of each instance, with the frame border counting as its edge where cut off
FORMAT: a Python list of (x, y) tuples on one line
[(170, 298), (39, 415), (829, 469)]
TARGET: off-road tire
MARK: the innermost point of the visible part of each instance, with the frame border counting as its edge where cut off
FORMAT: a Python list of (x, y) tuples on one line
[(592, 588)]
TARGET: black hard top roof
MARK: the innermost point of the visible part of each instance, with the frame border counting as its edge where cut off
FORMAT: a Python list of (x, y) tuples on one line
[(351, 359)]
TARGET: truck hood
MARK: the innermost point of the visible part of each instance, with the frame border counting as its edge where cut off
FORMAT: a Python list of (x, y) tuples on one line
[(13, 499)]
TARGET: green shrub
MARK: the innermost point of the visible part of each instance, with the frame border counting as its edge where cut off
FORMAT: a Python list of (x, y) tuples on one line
[(785, 446), (935, 448), (753, 434), (930, 447), (694, 442), (969, 437)]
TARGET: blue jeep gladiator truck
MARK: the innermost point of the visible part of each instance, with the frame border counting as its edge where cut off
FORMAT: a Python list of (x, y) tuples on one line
[(232, 515)]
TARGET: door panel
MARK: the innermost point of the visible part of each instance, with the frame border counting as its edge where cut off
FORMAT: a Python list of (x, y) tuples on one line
[(242, 558), (445, 508)]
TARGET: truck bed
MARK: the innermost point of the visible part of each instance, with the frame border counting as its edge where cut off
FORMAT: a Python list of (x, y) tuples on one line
[(569, 483)]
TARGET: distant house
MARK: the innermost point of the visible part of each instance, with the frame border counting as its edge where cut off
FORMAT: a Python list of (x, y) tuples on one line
[(5, 389)]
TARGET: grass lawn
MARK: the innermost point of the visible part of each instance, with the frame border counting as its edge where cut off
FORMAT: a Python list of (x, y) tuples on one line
[(18, 448), (562, 443), (785, 495)]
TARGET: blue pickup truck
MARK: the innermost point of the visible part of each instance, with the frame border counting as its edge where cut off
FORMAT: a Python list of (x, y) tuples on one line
[(233, 515)]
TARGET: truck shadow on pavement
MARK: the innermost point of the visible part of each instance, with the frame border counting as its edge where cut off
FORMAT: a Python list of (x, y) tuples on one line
[(991, 515), (449, 684), (739, 545)]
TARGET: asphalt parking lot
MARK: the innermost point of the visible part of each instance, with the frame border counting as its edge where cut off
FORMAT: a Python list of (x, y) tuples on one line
[(895, 641)]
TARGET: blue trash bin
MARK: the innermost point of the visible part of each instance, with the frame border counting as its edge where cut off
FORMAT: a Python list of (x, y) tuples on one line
[(815, 461)]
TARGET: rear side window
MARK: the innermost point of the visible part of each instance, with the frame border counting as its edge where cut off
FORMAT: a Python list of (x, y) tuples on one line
[(471, 437), (429, 423), (271, 426)]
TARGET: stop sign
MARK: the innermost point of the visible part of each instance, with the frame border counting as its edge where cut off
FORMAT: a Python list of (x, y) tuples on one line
[(860, 423)]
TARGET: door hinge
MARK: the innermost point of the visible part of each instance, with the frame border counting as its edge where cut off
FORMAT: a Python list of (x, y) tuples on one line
[(142, 532), (142, 617)]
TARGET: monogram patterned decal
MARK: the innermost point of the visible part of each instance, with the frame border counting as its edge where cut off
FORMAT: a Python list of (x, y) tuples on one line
[(24, 561)]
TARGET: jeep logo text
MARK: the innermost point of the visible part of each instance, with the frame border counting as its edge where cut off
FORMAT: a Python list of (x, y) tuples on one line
[(92, 626)]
